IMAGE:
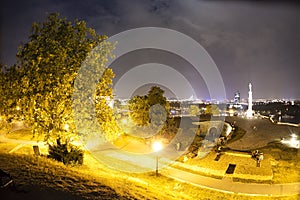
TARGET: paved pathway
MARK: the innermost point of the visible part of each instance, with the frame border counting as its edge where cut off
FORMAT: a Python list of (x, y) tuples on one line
[(3, 138), (20, 143), (227, 185)]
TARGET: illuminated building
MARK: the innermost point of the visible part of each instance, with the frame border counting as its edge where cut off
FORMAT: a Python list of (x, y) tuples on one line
[(237, 97), (249, 111)]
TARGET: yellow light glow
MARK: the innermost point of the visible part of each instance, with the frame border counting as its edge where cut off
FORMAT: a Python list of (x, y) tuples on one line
[(66, 127), (92, 143), (292, 142), (157, 146), (124, 121)]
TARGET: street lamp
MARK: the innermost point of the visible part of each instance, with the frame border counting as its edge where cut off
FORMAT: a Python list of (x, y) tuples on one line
[(157, 146)]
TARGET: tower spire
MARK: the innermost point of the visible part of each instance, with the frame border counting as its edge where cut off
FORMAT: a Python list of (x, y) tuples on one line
[(249, 111)]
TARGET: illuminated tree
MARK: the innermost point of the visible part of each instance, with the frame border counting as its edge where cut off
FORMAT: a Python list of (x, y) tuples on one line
[(139, 110), (194, 110), (152, 108), (212, 110), (41, 83)]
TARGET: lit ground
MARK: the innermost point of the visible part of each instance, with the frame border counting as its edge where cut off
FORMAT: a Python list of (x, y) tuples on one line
[(284, 161), (40, 178), (95, 181), (264, 133), (245, 166)]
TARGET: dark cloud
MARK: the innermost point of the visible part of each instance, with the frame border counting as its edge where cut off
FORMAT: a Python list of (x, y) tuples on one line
[(254, 41)]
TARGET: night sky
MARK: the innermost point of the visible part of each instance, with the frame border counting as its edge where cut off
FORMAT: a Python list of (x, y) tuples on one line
[(257, 41)]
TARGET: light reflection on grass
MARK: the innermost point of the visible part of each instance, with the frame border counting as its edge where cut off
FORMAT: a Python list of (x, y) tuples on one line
[(91, 180)]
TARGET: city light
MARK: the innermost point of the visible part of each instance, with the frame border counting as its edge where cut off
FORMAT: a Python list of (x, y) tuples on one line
[(292, 142), (157, 146)]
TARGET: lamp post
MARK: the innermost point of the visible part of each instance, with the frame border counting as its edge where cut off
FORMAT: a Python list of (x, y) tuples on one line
[(157, 146)]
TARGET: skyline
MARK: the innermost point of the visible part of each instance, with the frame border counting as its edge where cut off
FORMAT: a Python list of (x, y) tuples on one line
[(249, 41)]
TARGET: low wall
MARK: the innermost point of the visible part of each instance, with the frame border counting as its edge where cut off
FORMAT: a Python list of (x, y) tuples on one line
[(279, 123)]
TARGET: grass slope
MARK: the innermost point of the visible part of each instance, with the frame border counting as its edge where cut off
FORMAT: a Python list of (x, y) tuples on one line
[(41, 178)]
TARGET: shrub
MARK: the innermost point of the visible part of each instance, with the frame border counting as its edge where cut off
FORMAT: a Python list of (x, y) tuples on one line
[(66, 153)]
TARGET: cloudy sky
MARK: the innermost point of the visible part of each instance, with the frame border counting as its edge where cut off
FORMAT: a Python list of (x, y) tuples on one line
[(257, 41)]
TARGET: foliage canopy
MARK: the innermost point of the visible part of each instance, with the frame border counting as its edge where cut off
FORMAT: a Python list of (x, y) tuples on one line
[(38, 88), (151, 108)]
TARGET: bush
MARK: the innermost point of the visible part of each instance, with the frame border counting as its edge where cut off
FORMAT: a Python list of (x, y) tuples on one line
[(66, 153)]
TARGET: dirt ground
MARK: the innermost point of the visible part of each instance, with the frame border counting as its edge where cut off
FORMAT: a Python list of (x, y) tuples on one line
[(259, 132)]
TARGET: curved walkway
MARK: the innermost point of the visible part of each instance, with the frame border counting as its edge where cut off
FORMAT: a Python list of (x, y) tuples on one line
[(20, 143), (227, 185), (3, 138)]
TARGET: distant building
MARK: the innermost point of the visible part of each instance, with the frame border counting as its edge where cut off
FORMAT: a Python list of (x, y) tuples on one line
[(235, 106), (237, 97)]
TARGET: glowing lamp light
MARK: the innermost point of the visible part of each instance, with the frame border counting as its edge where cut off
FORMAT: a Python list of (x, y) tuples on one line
[(157, 146)]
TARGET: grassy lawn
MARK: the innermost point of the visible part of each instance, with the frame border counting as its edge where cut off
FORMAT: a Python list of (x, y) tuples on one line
[(285, 162), (92, 180), (30, 173), (245, 170), (280, 165)]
